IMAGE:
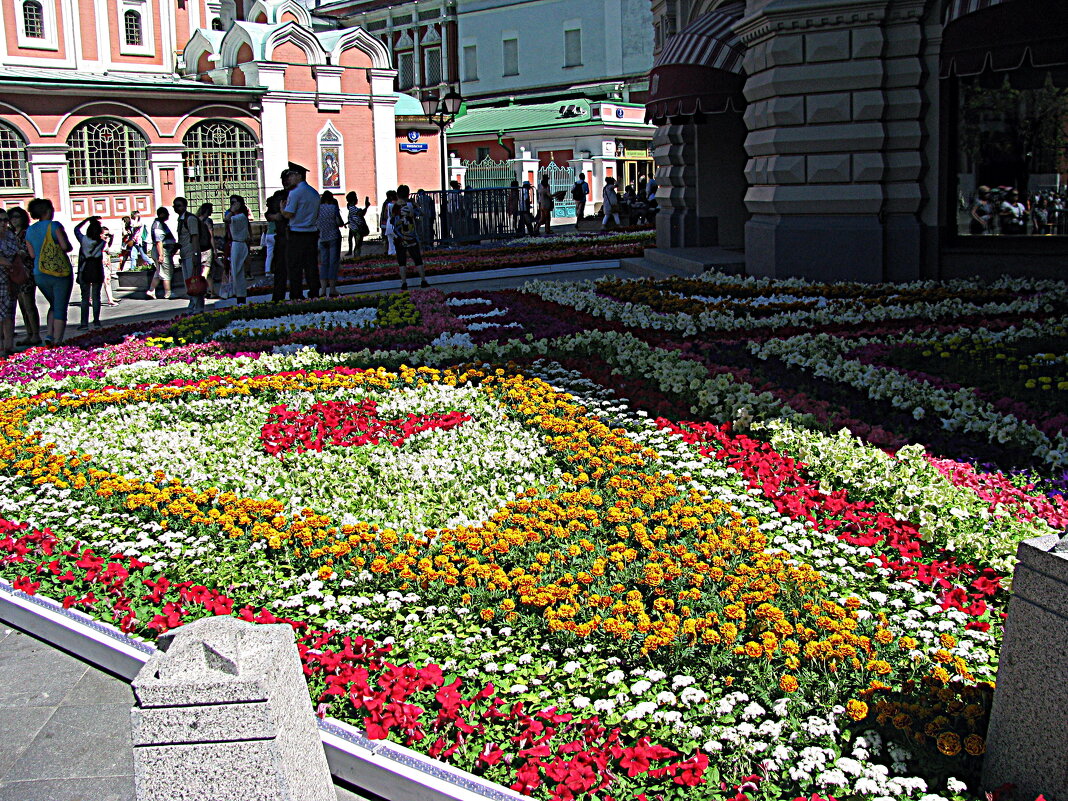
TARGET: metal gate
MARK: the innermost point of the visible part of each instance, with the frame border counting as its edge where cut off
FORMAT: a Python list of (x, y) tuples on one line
[(221, 160), (488, 174), (560, 179)]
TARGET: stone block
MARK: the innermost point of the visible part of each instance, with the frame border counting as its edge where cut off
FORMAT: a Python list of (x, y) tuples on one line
[(833, 169), (756, 58), (854, 137), (904, 104), (903, 72), (903, 165), (868, 167), (785, 49), (821, 247), (783, 81), (903, 198), (904, 135), (834, 107), (1028, 735), (786, 111), (905, 39), (815, 199), (827, 46), (868, 105), (223, 713), (867, 42), (756, 115), (756, 171), (785, 170)]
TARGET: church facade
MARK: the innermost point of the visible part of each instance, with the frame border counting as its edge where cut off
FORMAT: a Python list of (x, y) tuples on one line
[(110, 106)]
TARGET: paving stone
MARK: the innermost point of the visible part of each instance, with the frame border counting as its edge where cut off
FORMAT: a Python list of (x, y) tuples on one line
[(98, 687), (33, 674), (19, 727), (79, 741), (120, 788)]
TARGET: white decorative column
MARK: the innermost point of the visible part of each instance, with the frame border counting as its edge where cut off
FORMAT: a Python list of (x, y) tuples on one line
[(168, 172), (274, 126), (49, 176), (383, 103), (328, 88), (457, 171)]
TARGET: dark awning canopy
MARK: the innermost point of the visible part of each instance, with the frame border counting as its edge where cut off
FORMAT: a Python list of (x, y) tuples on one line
[(700, 69), (1003, 35)]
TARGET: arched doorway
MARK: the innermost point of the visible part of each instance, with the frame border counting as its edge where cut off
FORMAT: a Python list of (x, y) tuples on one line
[(221, 159)]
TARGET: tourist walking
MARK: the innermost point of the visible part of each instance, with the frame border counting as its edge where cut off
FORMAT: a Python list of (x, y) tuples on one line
[(48, 246), (10, 248), (406, 229), (188, 226), (609, 203), (357, 220), (579, 192), (330, 225), (18, 222), (1013, 215), (134, 245), (278, 228), (237, 223), (91, 275), (206, 244), (108, 297), (302, 211), (385, 217), (164, 246), (545, 206)]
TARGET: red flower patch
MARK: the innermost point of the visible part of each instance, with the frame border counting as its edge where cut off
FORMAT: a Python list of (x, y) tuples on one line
[(346, 425)]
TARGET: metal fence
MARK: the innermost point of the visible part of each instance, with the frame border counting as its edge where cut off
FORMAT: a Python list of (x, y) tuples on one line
[(488, 174), (561, 179), (473, 214)]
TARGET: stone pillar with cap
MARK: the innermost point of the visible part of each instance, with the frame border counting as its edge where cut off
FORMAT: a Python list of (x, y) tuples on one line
[(1028, 735), (223, 712)]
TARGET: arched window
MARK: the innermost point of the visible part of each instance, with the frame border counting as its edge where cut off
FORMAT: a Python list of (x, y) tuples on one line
[(33, 19), (12, 159), (216, 24), (107, 152), (132, 28), (221, 159)]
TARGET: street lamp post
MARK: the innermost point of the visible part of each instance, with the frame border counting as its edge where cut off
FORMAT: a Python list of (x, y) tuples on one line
[(441, 111)]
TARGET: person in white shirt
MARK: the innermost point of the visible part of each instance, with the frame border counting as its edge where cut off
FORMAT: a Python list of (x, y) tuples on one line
[(302, 246), (609, 203), (237, 224), (1013, 215)]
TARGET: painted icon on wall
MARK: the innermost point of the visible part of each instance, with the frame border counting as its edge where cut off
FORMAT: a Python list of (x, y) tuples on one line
[(331, 161)]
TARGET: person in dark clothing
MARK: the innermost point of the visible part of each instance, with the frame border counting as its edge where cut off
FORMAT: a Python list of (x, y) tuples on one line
[(275, 204), (302, 247)]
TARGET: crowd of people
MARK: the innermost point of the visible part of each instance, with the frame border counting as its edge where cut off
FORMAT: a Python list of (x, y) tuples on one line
[(1003, 212)]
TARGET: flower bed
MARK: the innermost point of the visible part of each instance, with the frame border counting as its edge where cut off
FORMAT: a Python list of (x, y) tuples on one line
[(504, 559)]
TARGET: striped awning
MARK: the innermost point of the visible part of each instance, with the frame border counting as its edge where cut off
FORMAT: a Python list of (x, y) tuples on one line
[(959, 8), (707, 42), (699, 71), (1004, 36)]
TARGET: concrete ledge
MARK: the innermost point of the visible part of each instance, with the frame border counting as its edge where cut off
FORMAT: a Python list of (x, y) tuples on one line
[(384, 768)]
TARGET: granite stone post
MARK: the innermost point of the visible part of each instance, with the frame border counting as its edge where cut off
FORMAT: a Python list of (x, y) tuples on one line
[(223, 714), (1028, 736)]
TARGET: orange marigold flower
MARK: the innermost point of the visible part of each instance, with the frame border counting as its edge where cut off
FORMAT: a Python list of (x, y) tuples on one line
[(753, 649), (948, 743), (486, 614), (788, 684), (974, 745), (857, 710), (884, 637)]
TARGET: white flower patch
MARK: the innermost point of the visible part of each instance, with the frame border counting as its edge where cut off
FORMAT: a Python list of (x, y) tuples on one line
[(483, 315), (466, 301), (288, 323)]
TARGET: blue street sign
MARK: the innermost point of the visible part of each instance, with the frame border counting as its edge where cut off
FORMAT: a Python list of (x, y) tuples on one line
[(411, 147)]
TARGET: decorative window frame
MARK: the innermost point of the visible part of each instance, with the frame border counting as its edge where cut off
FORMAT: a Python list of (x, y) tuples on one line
[(51, 28), (330, 138), (465, 77), (148, 37), (510, 36)]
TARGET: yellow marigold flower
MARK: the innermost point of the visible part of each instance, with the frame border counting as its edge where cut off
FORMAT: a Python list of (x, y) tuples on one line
[(879, 666), (325, 573), (753, 650), (486, 614), (884, 637), (857, 710), (788, 684), (949, 743), (947, 640), (974, 745)]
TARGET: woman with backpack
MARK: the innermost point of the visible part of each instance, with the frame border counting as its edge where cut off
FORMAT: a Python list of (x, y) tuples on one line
[(47, 244), (90, 236)]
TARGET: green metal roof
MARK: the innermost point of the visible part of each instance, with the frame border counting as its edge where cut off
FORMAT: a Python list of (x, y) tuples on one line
[(524, 117), (408, 106)]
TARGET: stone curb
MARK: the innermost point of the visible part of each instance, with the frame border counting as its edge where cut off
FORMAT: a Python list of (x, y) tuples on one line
[(380, 767)]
